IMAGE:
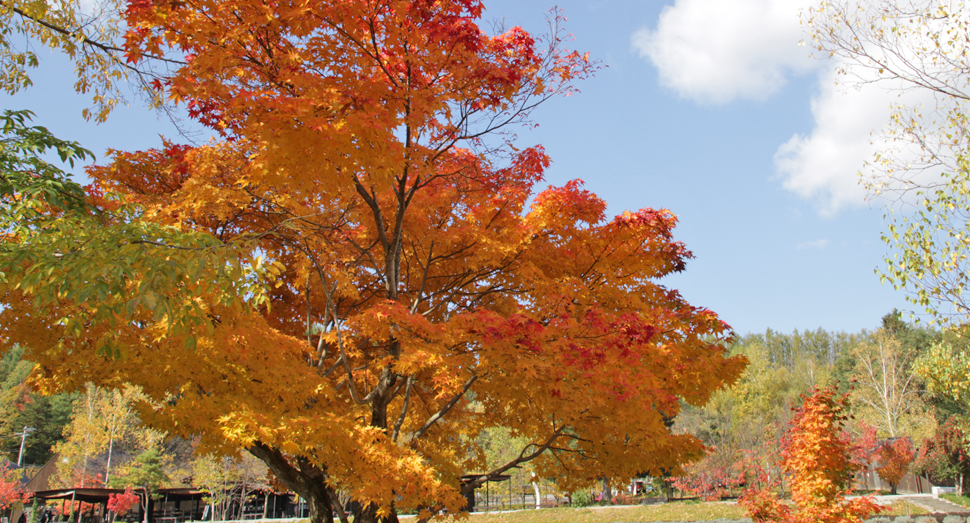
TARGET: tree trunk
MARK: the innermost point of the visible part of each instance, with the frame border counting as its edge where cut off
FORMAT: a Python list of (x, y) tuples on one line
[(535, 489), (338, 506), (319, 503), (307, 480), (368, 514)]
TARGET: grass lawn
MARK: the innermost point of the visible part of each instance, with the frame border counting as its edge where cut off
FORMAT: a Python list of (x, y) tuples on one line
[(903, 508), (675, 511)]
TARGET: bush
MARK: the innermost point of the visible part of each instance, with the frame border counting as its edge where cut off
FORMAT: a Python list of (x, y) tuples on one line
[(583, 498), (622, 498)]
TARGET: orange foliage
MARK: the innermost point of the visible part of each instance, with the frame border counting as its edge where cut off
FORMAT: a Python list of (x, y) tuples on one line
[(412, 297), (894, 459), (817, 458)]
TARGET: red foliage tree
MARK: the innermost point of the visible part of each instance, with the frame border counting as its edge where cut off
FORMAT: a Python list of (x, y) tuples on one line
[(944, 456), (894, 459), (865, 448), (11, 490), (818, 458), (716, 478), (122, 503)]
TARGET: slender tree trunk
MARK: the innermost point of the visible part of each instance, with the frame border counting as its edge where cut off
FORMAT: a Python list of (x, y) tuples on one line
[(107, 466), (535, 489)]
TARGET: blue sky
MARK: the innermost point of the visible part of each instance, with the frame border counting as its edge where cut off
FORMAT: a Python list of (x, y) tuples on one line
[(709, 108)]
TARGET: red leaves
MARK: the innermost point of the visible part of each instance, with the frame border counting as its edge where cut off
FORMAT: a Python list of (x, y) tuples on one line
[(122, 503), (571, 202), (11, 490), (712, 480), (944, 456)]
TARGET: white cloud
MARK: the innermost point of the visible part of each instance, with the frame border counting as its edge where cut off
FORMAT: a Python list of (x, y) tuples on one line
[(716, 51), (814, 245), (824, 166)]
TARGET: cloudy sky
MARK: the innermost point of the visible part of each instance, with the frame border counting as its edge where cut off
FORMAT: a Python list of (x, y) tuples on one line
[(709, 108)]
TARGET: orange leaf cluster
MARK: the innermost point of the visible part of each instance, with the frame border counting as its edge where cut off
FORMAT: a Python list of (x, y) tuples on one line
[(817, 457), (895, 457), (415, 297)]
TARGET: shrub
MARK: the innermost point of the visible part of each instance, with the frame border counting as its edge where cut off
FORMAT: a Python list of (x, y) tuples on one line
[(622, 498), (583, 498), (818, 459)]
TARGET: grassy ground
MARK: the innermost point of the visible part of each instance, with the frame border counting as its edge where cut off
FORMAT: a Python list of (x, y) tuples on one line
[(959, 500), (904, 508), (675, 511)]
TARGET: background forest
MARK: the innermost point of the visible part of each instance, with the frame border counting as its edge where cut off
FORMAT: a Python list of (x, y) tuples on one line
[(893, 395)]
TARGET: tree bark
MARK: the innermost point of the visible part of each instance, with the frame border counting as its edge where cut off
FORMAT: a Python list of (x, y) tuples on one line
[(368, 514), (338, 506), (306, 479)]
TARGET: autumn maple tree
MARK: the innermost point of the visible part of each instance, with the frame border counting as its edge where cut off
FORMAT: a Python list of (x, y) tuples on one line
[(817, 457), (121, 503), (894, 459), (11, 487), (944, 456), (357, 277)]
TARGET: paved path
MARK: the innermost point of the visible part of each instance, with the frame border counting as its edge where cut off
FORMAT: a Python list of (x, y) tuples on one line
[(929, 502)]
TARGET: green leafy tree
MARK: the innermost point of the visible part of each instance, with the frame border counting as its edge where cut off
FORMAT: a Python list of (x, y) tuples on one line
[(29, 184), (145, 472), (21, 406), (945, 369)]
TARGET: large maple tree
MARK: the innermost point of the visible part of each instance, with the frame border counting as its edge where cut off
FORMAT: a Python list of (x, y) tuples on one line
[(357, 277)]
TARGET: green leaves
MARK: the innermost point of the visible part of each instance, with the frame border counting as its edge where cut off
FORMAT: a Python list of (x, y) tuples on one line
[(92, 265), (28, 183)]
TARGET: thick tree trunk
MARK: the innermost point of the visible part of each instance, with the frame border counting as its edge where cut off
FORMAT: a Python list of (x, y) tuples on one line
[(319, 502), (306, 479)]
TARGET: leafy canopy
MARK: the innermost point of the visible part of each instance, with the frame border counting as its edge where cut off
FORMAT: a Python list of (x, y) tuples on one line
[(358, 278)]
